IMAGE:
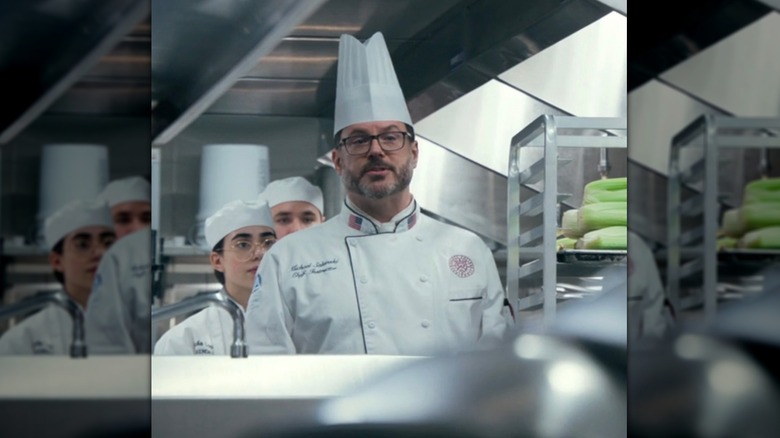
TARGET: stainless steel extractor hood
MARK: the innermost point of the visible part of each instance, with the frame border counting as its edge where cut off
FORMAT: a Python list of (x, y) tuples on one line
[(207, 65), (73, 57)]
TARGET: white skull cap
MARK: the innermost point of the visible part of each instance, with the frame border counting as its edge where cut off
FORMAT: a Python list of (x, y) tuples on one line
[(236, 215), (291, 189), (367, 89), (74, 215), (129, 189)]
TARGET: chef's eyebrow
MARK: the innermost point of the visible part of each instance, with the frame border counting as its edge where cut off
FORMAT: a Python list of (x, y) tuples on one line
[(360, 131)]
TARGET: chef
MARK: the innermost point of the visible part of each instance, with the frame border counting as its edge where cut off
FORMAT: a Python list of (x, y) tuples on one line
[(130, 201), (295, 204), (239, 234), (77, 235), (379, 278)]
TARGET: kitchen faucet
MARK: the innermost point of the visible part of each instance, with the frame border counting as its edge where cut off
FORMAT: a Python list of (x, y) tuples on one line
[(78, 348), (202, 300)]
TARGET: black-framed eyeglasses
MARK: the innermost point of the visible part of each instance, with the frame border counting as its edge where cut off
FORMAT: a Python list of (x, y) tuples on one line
[(388, 141), (245, 249)]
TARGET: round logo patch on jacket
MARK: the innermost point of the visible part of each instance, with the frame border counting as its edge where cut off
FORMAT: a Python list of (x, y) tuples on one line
[(461, 266)]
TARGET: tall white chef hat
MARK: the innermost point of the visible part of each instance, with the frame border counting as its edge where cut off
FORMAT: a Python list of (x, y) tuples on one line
[(129, 189), (74, 215), (235, 215), (291, 189), (367, 88)]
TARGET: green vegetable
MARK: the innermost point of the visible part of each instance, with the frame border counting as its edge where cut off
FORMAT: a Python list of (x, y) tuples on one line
[(570, 224), (760, 215), (602, 215), (605, 238), (605, 190), (762, 238), (566, 243), (762, 190)]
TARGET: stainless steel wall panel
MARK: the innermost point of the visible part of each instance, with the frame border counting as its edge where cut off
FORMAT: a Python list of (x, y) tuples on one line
[(740, 74), (481, 124), (584, 74)]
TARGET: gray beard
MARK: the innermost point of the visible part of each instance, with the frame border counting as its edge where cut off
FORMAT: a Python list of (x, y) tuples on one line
[(366, 189)]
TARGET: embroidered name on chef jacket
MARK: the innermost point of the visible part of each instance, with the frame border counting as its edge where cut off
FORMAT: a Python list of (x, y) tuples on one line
[(303, 269), (40, 347), (203, 348), (140, 270)]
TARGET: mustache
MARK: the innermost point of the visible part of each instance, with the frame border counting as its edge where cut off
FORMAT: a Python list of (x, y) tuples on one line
[(377, 164)]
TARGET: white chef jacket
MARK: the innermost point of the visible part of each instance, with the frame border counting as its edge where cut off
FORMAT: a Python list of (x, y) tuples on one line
[(412, 286), (118, 318), (649, 311), (209, 332), (48, 331)]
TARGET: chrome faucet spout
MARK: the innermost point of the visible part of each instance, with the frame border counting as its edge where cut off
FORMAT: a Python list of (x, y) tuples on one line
[(201, 301), (78, 347)]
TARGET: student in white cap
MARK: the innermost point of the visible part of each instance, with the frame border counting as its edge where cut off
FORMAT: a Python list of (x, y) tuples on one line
[(239, 234), (77, 235), (295, 204), (130, 200), (379, 278)]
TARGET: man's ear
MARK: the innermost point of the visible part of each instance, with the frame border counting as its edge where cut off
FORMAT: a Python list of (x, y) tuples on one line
[(336, 158)]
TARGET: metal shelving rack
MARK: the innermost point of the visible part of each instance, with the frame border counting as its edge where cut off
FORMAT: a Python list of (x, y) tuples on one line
[(533, 262), (693, 259)]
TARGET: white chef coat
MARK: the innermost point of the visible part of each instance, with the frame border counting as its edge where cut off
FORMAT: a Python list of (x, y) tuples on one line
[(48, 331), (649, 311), (412, 286), (118, 318), (209, 332)]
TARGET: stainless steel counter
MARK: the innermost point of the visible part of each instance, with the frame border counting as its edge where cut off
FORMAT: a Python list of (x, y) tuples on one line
[(266, 377)]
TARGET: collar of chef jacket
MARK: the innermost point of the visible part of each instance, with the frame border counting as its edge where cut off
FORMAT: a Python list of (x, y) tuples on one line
[(227, 295), (358, 220)]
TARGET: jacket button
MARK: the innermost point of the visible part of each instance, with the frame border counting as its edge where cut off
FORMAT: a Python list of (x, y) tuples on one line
[(424, 279), (419, 238), (425, 323), (371, 324), (363, 279), (352, 243)]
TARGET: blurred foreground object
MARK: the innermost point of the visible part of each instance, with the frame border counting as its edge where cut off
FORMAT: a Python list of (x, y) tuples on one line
[(713, 382), (560, 383)]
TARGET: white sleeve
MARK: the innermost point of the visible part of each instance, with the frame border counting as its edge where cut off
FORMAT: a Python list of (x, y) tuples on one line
[(16, 341), (646, 292), (268, 318), (107, 318), (654, 321), (496, 320), (178, 341), (118, 316)]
